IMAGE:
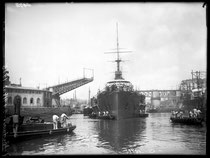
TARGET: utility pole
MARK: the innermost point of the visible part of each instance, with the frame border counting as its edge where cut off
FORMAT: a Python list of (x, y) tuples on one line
[(89, 96)]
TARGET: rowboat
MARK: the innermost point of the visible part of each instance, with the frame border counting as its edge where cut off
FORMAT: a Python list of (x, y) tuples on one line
[(187, 120)]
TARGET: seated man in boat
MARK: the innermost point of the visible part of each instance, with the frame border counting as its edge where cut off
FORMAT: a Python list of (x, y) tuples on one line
[(63, 119), (173, 114), (181, 114), (176, 114), (55, 121), (106, 113)]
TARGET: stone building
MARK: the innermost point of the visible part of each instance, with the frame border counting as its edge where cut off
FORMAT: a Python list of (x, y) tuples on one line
[(30, 97)]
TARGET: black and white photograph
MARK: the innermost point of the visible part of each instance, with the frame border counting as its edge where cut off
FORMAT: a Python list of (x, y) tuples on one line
[(102, 78)]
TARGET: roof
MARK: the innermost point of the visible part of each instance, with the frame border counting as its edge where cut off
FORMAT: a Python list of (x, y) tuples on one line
[(26, 88)]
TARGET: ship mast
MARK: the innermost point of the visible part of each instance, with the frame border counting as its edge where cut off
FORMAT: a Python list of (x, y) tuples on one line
[(118, 73)]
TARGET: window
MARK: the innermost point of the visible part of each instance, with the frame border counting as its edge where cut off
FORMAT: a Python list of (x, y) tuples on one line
[(31, 100), (25, 100), (9, 100), (38, 101)]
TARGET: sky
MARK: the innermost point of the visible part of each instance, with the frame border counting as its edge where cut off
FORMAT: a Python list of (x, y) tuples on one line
[(51, 43)]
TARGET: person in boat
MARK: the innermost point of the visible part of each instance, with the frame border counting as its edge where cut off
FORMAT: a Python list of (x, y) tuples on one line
[(181, 114), (176, 114), (173, 114), (198, 113), (55, 121), (15, 120), (63, 120), (191, 114), (93, 114), (195, 113)]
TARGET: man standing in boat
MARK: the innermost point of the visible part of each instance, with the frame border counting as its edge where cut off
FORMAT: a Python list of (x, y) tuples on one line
[(55, 121), (63, 120)]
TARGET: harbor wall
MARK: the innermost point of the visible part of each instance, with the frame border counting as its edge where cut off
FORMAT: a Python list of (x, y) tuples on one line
[(44, 112)]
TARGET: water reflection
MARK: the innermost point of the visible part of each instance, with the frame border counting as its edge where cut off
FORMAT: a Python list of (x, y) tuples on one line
[(39, 145), (169, 138), (121, 135), (152, 135)]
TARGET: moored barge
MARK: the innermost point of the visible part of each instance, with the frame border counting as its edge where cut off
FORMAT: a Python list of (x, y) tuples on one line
[(35, 130)]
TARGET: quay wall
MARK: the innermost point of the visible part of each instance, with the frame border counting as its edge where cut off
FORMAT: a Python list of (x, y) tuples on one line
[(44, 112)]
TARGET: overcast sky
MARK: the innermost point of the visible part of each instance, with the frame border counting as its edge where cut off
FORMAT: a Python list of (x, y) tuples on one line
[(48, 43)]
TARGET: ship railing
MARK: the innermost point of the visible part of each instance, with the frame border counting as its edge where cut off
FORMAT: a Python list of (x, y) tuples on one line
[(110, 89)]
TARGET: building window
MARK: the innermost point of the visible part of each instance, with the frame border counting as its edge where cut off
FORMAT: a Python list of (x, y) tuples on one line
[(38, 101), (25, 100), (31, 100), (9, 100)]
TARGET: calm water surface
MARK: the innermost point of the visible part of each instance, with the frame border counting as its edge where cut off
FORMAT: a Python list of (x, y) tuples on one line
[(152, 135)]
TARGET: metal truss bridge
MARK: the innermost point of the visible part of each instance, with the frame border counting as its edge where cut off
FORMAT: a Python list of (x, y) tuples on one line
[(160, 93), (68, 86), (60, 89)]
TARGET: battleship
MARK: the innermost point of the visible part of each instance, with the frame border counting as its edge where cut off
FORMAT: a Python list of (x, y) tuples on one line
[(119, 100)]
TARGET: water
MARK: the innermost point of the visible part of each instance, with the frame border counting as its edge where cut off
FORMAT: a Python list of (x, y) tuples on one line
[(152, 135)]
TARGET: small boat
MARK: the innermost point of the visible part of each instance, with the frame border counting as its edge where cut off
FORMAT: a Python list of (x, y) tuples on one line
[(105, 117), (34, 130), (93, 116), (143, 115), (152, 111), (87, 111), (187, 120)]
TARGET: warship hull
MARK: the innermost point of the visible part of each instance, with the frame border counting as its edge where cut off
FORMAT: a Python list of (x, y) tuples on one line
[(120, 104)]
